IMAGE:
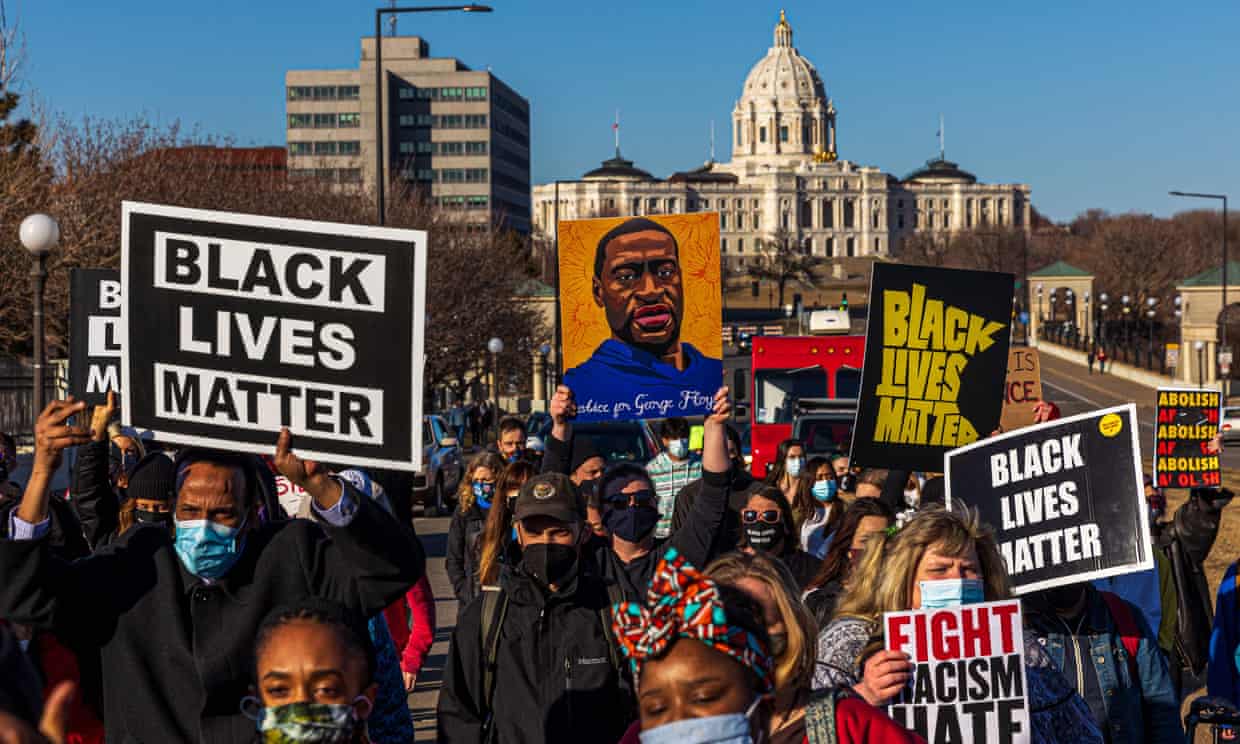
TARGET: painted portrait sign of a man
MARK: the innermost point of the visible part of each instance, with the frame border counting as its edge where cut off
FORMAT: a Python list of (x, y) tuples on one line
[(645, 367)]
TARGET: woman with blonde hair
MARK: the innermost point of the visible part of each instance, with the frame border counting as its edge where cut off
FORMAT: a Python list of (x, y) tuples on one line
[(497, 535), (938, 559), (791, 627), (474, 498)]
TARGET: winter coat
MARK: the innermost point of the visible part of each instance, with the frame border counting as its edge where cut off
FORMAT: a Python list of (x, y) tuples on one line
[(178, 652), (411, 621), (554, 677), (464, 551)]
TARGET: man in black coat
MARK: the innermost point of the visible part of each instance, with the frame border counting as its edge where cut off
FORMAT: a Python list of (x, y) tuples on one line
[(555, 675), (173, 619)]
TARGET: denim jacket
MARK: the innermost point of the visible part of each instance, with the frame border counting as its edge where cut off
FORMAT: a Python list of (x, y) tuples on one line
[(1144, 710)]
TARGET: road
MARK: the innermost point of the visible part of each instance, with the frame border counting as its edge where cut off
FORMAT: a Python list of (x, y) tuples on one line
[(1075, 390), (434, 535)]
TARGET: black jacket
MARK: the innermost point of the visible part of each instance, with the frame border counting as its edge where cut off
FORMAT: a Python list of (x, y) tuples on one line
[(742, 485), (1186, 540), (696, 539), (804, 566), (177, 653), (464, 551), (554, 679), (91, 494)]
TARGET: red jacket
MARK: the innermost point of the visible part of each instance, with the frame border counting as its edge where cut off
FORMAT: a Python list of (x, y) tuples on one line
[(411, 621), (57, 664)]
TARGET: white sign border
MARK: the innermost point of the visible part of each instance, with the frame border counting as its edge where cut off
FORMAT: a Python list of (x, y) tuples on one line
[(418, 241), (1143, 513)]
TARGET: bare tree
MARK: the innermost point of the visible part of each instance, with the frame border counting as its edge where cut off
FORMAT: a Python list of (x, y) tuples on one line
[(782, 260)]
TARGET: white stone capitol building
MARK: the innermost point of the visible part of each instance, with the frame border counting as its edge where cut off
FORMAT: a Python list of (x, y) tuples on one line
[(785, 174)]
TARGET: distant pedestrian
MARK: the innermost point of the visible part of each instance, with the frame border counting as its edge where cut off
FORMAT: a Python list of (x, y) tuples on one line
[(1102, 360), (1089, 357)]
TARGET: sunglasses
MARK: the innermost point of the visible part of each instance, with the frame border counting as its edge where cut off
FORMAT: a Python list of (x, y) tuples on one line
[(622, 500), (770, 516)]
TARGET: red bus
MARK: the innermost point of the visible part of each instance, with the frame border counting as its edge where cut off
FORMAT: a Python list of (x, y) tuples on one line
[(786, 369)]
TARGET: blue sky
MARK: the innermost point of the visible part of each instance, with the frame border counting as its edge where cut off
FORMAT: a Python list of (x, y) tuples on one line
[(1092, 103)]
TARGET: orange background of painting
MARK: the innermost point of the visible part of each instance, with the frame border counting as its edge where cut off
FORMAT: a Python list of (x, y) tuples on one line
[(584, 325)]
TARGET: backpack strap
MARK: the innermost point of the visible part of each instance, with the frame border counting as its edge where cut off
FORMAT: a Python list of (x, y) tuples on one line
[(1129, 634), (820, 726), (494, 609)]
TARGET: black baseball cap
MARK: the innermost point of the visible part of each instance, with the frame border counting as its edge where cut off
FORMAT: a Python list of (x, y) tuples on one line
[(549, 495)]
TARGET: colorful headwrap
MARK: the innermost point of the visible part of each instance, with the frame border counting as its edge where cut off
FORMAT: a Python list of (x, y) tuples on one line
[(684, 603)]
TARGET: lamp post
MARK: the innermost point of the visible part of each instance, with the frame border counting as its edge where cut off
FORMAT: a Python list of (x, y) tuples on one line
[(496, 347), (1222, 343), (1150, 304), (545, 350), (1070, 306), (380, 181), (39, 234), (1101, 320), (1041, 317)]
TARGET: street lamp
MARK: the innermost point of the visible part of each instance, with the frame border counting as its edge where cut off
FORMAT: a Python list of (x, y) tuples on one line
[(1222, 344), (545, 350), (496, 347), (1041, 317), (1150, 303), (380, 182), (39, 234)]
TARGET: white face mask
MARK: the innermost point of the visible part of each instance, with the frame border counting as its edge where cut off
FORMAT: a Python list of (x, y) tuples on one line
[(793, 465), (730, 728)]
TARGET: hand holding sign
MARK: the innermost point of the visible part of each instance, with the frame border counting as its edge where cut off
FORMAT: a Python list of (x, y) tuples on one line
[(52, 435), (563, 410), (885, 673), (101, 416), (308, 474)]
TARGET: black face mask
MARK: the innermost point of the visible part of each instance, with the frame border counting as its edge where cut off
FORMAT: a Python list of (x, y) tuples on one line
[(550, 563), (631, 524), (763, 536), (163, 519)]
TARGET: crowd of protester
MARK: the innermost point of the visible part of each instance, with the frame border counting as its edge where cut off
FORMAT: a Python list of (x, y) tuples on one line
[(166, 595)]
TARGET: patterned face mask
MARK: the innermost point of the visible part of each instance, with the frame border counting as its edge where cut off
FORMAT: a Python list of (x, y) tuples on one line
[(310, 723)]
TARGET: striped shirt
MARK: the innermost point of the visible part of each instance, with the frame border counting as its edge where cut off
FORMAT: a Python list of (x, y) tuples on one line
[(669, 477)]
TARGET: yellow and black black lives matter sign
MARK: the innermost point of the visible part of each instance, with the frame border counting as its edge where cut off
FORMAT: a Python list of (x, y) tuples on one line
[(936, 355), (1187, 422)]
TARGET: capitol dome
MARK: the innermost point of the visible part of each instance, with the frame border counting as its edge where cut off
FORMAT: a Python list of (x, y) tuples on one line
[(783, 115)]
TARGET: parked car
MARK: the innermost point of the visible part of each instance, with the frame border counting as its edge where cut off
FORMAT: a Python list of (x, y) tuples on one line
[(621, 441), (1229, 427), (442, 467), (824, 427)]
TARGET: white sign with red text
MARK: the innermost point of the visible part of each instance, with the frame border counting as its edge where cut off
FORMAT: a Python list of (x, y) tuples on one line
[(968, 682)]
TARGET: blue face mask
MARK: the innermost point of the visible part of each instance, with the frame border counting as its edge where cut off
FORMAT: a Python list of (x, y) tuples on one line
[(943, 593), (483, 493), (207, 549), (678, 448), (793, 465), (731, 728), (824, 490)]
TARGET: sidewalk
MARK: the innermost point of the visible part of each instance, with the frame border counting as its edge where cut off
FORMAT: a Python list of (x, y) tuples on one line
[(434, 535)]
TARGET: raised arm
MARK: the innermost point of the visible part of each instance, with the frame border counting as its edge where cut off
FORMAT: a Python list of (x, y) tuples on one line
[(557, 458), (52, 436), (91, 495), (695, 537)]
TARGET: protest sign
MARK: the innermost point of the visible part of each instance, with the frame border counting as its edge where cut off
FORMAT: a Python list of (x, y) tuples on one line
[(968, 681), (1023, 389), (1187, 421), (641, 316), (95, 334), (936, 353), (1049, 490), (240, 325)]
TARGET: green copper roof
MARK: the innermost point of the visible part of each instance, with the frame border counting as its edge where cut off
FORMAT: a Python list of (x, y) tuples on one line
[(1214, 277), (1059, 268)]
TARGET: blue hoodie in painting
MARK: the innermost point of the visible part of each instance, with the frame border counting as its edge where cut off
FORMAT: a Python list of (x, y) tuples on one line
[(620, 382)]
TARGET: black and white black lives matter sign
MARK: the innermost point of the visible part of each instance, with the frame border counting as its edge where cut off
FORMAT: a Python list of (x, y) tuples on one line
[(239, 325), (1066, 497), (95, 334)]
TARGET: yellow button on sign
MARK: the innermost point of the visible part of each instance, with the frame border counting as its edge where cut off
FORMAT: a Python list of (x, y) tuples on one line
[(1110, 425)]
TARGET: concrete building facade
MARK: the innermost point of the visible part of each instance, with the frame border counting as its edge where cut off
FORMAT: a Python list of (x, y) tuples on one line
[(786, 176), (461, 136)]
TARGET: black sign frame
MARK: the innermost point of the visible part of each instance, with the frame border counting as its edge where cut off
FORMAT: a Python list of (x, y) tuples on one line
[(96, 335)]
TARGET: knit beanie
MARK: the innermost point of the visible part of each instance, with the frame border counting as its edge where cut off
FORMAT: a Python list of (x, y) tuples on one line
[(154, 478)]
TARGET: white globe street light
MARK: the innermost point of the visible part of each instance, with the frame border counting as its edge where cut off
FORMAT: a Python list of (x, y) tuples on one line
[(39, 233), (496, 347)]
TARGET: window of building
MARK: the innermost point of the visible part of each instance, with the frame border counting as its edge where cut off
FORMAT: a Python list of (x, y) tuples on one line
[(740, 220), (875, 216), (783, 134), (349, 147), (671, 206), (450, 121), (425, 174), (475, 121), (878, 245), (755, 203), (849, 215), (705, 203), (427, 94), (451, 148), (475, 148), (830, 247), (947, 220), (740, 203), (407, 120), (851, 246), (300, 148), (300, 92), (476, 94), (828, 213), (451, 94), (299, 121), (407, 93), (783, 220), (475, 175), (757, 220), (637, 206), (899, 220), (406, 147), (809, 245), (324, 121), (723, 220), (425, 148), (324, 148), (348, 121), (325, 92), (476, 202), (762, 134), (450, 175), (968, 213), (740, 245), (348, 92), (723, 245)]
